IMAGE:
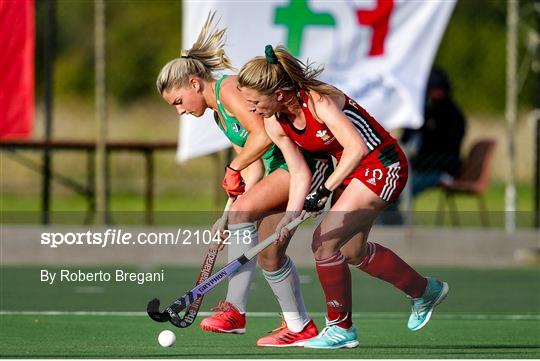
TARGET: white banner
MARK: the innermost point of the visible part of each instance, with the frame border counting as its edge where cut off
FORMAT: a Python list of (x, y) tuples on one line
[(379, 52)]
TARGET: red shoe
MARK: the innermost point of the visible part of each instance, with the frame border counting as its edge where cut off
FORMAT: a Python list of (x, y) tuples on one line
[(227, 319), (283, 337)]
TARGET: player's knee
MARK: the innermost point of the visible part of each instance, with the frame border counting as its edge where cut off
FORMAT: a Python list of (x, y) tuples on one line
[(316, 242), (240, 212), (324, 249), (270, 262), (354, 253), (319, 241)]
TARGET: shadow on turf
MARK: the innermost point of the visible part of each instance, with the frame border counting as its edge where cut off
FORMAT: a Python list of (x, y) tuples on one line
[(432, 350), (451, 347)]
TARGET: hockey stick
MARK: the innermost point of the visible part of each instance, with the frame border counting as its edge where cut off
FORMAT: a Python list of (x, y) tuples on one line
[(171, 312), (206, 270)]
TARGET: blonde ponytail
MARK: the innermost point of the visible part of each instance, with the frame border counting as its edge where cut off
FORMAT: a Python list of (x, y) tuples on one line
[(205, 56), (279, 69)]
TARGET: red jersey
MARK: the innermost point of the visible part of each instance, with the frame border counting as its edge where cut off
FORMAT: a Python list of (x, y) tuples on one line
[(316, 137), (384, 169)]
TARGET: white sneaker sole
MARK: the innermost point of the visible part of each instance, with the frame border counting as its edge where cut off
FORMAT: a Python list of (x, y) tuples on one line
[(350, 344), (439, 299)]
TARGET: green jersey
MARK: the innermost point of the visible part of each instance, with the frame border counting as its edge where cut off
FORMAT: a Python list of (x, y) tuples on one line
[(237, 134)]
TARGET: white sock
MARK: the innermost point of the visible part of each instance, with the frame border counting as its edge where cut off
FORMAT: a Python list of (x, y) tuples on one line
[(239, 282), (286, 286)]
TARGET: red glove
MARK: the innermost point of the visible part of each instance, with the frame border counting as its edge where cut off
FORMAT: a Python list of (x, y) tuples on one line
[(233, 183)]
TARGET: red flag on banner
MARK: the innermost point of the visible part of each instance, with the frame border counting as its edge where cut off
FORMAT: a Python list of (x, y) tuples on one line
[(16, 68)]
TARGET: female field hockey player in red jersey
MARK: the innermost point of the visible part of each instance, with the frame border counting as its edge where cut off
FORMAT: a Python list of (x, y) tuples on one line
[(190, 85), (303, 113)]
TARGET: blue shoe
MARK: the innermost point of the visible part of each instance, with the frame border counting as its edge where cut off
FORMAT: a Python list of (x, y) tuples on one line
[(333, 336), (422, 307)]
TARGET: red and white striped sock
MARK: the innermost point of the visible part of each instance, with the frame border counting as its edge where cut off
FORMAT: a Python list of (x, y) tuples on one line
[(384, 264), (335, 278)]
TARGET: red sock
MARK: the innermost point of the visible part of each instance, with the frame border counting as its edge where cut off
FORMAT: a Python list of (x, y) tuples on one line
[(335, 278), (384, 264)]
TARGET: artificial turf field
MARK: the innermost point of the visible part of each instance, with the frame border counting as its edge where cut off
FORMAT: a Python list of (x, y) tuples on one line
[(489, 313)]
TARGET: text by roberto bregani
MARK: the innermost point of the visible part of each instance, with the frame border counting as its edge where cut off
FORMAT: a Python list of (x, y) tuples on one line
[(118, 275)]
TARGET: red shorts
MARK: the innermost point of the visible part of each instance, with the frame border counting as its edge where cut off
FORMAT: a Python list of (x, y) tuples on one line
[(384, 171)]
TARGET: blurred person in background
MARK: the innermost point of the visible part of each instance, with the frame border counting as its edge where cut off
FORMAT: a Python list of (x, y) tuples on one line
[(434, 149), (438, 142)]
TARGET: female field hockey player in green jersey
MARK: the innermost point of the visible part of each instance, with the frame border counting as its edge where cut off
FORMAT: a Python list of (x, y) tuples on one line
[(189, 84)]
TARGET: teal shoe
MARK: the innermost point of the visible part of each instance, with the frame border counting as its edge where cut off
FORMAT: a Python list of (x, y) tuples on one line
[(422, 307), (333, 336)]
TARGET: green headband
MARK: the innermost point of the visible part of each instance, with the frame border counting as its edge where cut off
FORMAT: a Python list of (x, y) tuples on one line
[(270, 55)]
